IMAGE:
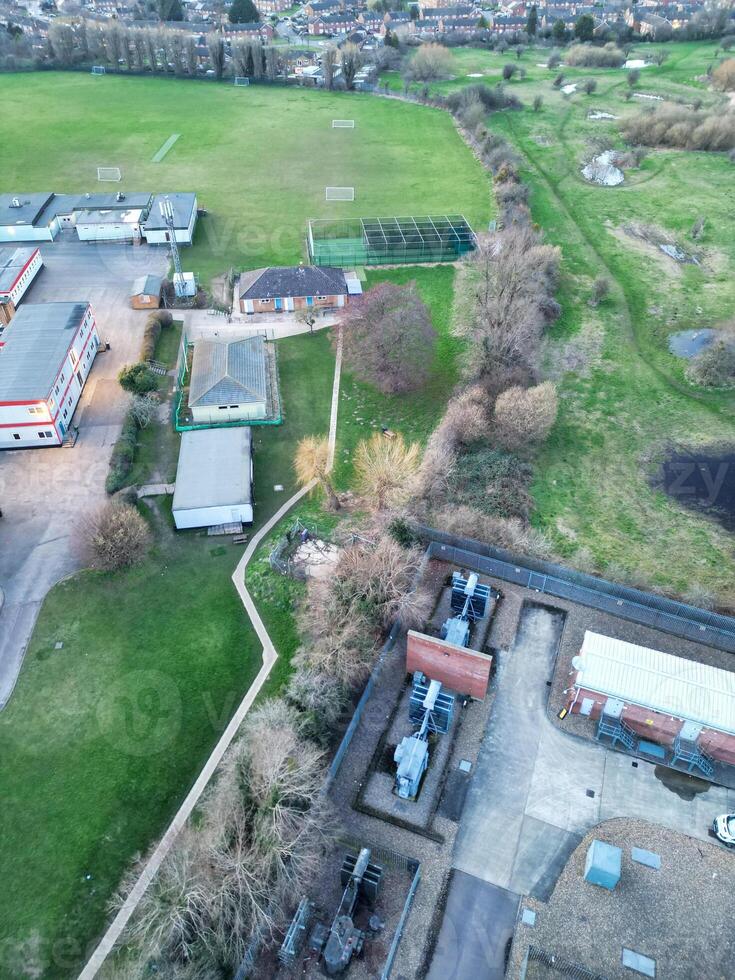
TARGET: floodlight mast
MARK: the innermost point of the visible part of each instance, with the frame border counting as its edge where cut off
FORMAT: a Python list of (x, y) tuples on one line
[(167, 213)]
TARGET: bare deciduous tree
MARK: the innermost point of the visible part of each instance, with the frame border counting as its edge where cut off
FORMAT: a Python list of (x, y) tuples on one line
[(329, 63), (525, 416), (351, 63), (116, 537), (144, 409), (513, 274), (388, 338), (311, 463)]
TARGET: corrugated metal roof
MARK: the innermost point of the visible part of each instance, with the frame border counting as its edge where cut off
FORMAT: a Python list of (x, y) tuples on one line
[(214, 468), (228, 372), (36, 343), (670, 685)]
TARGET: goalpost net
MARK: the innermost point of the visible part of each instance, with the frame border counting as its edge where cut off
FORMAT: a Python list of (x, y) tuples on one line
[(109, 173), (343, 124), (242, 80), (98, 70), (340, 193)]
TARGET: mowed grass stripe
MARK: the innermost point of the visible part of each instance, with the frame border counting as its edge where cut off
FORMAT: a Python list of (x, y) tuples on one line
[(157, 157)]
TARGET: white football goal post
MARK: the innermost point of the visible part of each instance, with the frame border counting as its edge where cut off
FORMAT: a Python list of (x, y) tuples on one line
[(242, 80), (343, 124), (98, 69), (340, 193), (109, 173)]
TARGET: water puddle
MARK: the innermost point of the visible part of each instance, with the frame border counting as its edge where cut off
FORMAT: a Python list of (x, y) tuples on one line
[(689, 343)]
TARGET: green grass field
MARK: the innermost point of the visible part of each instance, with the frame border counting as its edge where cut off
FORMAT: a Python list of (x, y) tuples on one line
[(626, 397), (258, 158)]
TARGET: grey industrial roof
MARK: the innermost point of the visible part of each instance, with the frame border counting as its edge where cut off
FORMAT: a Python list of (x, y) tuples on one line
[(182, 204), (147, 286), (36, 343), (214, 468), (11, 263), (31, 206), (671, 685), (228, 372), (292, 280)]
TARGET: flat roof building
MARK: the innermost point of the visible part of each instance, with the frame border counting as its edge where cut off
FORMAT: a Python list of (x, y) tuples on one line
[(184, 207), (655, 697), (18, 268), (214, 478), (48, 352)]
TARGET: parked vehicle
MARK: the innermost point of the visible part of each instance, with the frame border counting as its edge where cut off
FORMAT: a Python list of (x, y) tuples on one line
[(723, 828)]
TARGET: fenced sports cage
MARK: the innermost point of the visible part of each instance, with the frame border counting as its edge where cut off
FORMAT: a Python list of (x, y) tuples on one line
[(242, 80), (109, 173), (389, 241)]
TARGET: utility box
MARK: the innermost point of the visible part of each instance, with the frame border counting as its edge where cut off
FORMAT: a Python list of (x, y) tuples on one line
[(602, 866)]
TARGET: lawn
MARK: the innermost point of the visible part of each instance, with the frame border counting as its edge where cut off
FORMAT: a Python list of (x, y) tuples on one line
[(258, 158), (103, 737)]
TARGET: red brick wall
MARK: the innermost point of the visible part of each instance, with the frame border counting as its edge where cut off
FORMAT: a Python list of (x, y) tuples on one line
[(662, 729), (461, 670)]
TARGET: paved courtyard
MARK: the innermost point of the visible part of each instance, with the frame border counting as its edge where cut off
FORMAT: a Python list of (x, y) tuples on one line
[(534, 794), (46, 493)]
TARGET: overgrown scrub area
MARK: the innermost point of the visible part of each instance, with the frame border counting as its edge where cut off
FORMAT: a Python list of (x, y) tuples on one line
[(587, 56), (682, 128)]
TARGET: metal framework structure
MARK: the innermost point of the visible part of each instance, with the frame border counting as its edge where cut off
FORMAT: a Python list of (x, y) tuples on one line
[(109, 173), (390, 241)]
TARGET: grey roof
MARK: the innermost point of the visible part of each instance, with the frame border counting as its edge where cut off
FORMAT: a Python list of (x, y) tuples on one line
[(129, 216), (31, 206), (214, 468), (71, 203), (36, 343), (11, 264), (228, 372), (292, 280), (147, 286), (183, 205)]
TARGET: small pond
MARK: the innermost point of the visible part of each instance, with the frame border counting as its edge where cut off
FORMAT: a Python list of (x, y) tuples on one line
[(688, 343)]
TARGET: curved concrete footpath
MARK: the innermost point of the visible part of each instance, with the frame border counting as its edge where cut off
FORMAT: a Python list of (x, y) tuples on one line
[(270, 655)]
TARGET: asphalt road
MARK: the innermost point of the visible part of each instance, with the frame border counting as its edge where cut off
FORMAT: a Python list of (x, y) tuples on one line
[(476, 930)]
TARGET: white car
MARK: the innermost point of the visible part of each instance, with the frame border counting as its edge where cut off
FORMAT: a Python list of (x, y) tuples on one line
[(723, 828)]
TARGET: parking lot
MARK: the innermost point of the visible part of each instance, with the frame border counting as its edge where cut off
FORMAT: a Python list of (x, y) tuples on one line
[(46, 494)]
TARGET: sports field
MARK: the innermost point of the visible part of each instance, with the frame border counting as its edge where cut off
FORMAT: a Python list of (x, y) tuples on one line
[(258, 158)]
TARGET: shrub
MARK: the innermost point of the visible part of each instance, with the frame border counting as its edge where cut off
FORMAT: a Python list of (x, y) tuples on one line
[(492, 481), (402, 532), (559, 80), (123, 455), (137, 379), (525, 415), (590, 86), (388, 338), (144, 409), (723, 77), (493, 98), (538, 101), (431, 61), (319, 699), (634, 76), (509, 533), (554, 60), (714, 367), (150, 338), (385, 469), (509, 71), (681, 128), (116, 537), (584, 56), (600, 290)]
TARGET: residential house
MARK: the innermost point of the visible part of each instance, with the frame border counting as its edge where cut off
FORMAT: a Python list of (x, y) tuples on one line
[(286, 288)]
